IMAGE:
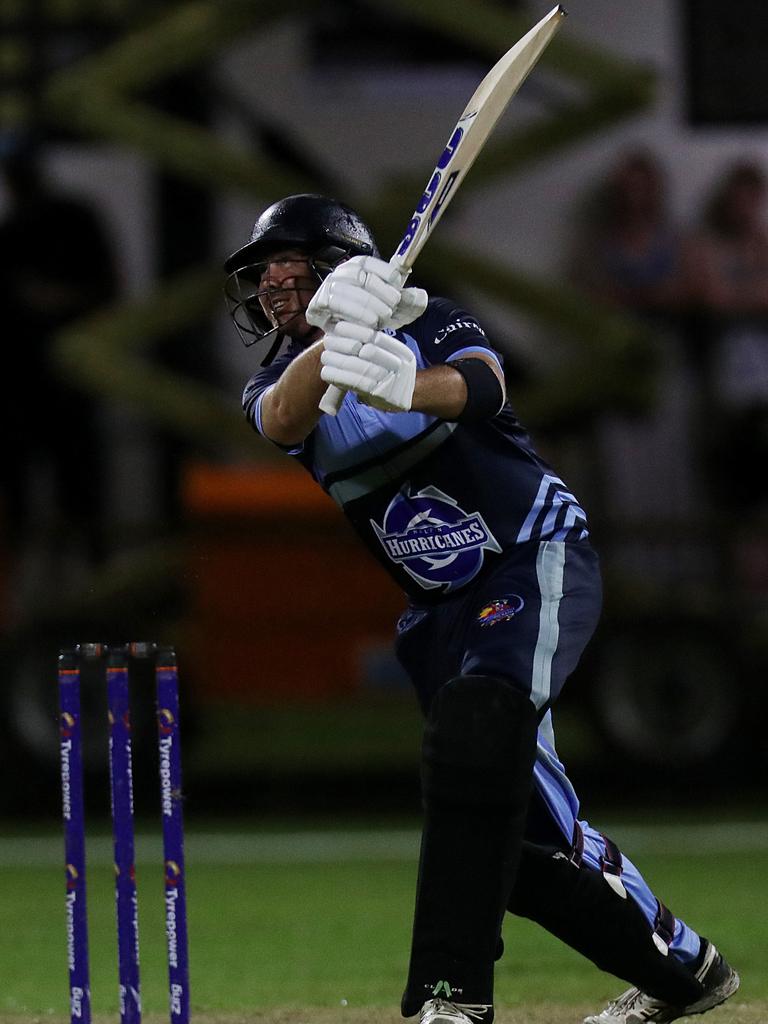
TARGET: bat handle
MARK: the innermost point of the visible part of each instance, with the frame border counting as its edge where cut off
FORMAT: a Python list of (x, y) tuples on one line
[(332, 400)]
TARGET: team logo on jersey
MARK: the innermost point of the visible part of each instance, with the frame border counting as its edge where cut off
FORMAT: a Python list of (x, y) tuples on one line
[(501, 610), (435, 541)]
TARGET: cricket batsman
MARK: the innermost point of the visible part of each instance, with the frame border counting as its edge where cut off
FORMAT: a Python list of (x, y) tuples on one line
[(429, 463)]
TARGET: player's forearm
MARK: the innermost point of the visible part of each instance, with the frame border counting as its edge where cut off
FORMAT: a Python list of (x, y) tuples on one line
[(289, 411), (441, 391)]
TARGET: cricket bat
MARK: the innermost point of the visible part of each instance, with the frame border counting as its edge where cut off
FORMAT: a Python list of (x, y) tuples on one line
[(476, 123)]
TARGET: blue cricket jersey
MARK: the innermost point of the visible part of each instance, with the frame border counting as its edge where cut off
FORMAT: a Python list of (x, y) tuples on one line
[(436, 502)]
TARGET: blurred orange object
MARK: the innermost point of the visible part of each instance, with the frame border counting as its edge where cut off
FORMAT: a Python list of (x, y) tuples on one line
[(284, 600)]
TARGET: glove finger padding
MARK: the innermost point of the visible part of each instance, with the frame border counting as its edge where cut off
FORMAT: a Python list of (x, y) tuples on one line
[(344, 300), (348, 338), (413, 302), (380, 356), (366, 272), (386, 343), (353, 374), (345, 379), (365, 370), (333, 342), (368, 291), (379, 268), (357, 332), (363, 289), (381, 370)]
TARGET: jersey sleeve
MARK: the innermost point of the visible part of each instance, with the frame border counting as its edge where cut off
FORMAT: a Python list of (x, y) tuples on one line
[(446, 332), (254, 393)]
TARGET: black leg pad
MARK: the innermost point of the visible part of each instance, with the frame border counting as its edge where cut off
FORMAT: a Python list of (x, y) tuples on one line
[(477, 765), (578, 906), (479, 743)]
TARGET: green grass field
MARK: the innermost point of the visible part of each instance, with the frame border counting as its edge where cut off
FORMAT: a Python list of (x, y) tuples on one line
[(320, 922)]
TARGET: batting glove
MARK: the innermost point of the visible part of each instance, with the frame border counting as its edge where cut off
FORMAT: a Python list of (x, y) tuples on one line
[(380, 370), (365, 290)]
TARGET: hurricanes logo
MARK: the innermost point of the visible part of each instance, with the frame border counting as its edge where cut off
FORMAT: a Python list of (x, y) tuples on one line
[(435, 541)]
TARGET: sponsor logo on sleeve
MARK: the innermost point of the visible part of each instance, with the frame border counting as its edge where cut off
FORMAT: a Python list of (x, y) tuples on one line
[(457, 325)]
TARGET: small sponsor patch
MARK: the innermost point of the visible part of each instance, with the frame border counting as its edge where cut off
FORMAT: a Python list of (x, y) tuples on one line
[(501, 610), (470, 325)]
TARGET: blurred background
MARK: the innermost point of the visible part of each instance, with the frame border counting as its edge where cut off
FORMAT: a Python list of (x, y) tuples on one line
[(611, 238)]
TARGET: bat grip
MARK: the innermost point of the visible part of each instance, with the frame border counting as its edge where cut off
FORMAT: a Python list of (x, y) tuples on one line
[(332, 400)]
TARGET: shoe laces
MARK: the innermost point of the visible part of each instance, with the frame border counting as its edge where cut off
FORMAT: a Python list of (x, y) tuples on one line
[(475, 1011), (634, 999)]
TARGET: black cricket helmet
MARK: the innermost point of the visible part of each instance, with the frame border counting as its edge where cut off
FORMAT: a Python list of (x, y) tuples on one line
[(328, 231)]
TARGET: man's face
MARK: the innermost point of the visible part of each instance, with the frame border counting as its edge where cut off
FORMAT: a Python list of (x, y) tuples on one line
[(286, 286)]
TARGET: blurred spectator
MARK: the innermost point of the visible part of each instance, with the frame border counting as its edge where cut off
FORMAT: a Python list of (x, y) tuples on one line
[(729, 262), (631, 252), (730, 257), (55, 267)]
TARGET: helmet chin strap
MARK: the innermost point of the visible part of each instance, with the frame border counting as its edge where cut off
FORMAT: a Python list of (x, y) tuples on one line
[(271, 342), (312, 333)]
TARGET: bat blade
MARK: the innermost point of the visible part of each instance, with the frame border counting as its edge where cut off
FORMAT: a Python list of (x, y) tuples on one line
[(477, 121)]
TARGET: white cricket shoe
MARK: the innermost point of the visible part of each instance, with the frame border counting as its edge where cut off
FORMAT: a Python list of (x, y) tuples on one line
[(635, 1007), (440, 1011)]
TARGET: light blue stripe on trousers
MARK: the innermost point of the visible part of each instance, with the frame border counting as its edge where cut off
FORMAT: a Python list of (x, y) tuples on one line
[(550, 566)]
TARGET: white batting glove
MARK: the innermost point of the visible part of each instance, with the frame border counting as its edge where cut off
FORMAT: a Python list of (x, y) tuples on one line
[(380, 369), (365, 290)]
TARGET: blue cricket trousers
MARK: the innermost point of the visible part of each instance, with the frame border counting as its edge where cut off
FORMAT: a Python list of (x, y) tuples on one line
[(529, 622)]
